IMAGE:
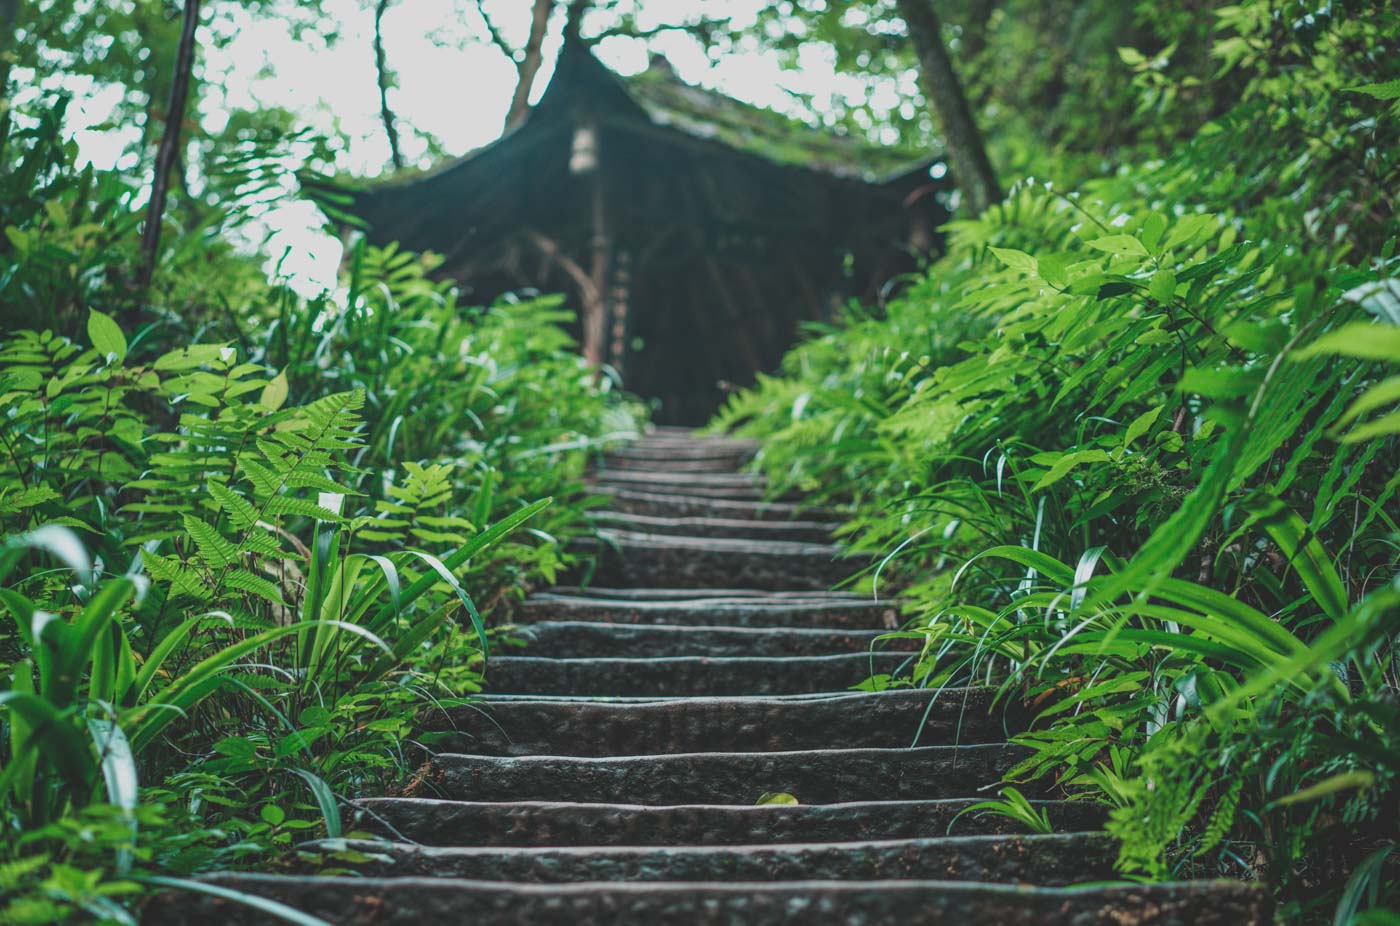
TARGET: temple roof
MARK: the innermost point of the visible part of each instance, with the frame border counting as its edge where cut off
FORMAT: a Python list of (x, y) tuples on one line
[(669, 101)]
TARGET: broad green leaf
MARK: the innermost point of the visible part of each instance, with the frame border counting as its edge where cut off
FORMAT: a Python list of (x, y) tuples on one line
[(274, 394), (1362, 340), (1141, 425), (1016, 260), (1123, 245), (1066, 463), (106, 335), (1305, 553)]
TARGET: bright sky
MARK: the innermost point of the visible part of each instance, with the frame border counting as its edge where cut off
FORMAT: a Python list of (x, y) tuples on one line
[(460, 95)]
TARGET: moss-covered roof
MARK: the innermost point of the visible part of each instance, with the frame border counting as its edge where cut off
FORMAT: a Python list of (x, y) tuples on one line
[(670, 101)]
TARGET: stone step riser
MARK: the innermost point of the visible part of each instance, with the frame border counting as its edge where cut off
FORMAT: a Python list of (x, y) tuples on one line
[(680, 676), (579, 639), (889, 720), (639, 564), (789, 531), (662, 505), (540, 824), (817, 777), (663, 462), (1046, 860), (809, 614), (416, 901)]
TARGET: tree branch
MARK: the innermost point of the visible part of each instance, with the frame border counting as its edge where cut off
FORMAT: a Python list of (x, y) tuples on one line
[(529, 64), (381, 65)]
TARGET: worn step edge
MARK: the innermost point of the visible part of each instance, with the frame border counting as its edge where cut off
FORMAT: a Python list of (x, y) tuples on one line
[(1053, 860), (672, 505), (392, 901), (741, 595), (818, 776), (727, 612), (818, 532), (553, 823), (691, 675), (575, 639), (887, 720)]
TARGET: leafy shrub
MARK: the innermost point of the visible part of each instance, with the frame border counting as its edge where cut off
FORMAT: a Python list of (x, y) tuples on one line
[(1129, 456)]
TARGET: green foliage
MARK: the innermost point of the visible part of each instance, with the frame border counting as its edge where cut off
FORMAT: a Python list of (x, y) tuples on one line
[(231, 586), (1128, 455)]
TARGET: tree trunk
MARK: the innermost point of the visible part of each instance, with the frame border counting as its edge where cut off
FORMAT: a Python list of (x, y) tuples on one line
[(9, 13), (169, 150), (529, 64), (381, 65), (972, 170)]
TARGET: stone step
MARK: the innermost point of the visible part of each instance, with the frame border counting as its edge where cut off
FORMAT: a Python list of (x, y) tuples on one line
[(416, 901), (607, 488), (687, 594), (800, 531), (678, 676), (670, 505), (578, 639), (825, 776), (739, 611), (889, 719), (548, 823), (662, 481), (661, 460), (626, 558), (1054, 860)]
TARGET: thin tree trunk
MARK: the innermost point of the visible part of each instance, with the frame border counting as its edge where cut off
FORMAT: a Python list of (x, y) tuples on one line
[(169, 143), (529, 64), (972, 169), (381, 65)]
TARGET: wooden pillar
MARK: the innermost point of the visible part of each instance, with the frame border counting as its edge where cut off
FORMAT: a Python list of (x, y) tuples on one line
[(585, 163)]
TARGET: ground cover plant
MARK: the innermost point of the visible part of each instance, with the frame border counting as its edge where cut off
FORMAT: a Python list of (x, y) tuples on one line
[(244, 549), (1129, 452)]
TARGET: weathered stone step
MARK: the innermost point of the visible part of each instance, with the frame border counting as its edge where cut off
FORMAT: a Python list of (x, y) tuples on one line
[(889, 719), (678, 676), (688, 594), (1052, 860), (579, 639), (800, 531), (654, 480), (828, 776), (548, 823), (670, 505), (662, 460), (416, 901), (626, 558), (749, 611)]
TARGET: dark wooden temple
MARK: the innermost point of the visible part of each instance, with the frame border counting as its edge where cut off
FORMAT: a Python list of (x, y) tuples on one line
[(695, 234)]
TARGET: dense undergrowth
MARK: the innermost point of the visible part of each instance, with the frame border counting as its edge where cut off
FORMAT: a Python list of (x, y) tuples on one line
[(1130, 455), (246, 543)]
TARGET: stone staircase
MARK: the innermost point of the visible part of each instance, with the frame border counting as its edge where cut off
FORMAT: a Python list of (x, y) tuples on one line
[(611, 776)]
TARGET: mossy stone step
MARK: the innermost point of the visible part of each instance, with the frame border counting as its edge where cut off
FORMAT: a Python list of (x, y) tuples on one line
[(799, 531), (577, 639), (626, 558), (550, 823), (1055, 860), (674, 505), (416, 901), (741, 611), (678, 676), (827, 776), (886, 720)]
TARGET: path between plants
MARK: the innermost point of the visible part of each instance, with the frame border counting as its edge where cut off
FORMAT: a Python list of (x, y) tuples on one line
[(612, 775)]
